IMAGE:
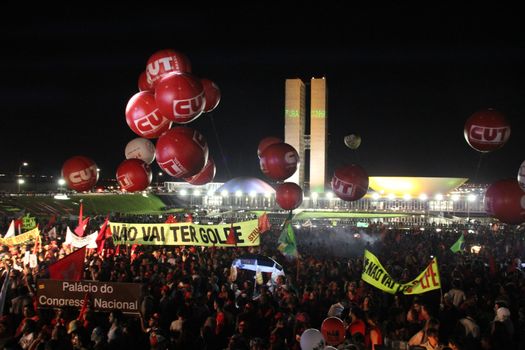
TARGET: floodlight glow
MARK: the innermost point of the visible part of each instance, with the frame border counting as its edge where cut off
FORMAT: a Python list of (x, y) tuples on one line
[(314, 195), (197, 192), (253, 194), (268, 194), (439, 197), (471, 197), (21, 181), (407, 197), (423, 196), (455, 197), (211, 193), (238, 193), (61, 182), (183, 192), (391, 196), (224, 193), (376, 196), (329, 195)]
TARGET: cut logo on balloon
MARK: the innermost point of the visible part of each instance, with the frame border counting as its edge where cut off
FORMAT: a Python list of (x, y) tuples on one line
[(488, 135), (151, 123), (83, 175), (188, 108), (174, 168), (343, 187), (124, 181)]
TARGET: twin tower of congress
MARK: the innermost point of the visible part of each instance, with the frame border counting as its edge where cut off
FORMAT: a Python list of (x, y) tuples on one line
[(305, 128)]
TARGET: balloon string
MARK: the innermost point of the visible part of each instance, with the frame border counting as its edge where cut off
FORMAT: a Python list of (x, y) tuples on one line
[(478, 167), (220, 147)]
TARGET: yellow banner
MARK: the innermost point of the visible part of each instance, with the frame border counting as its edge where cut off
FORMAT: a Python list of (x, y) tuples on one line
[(21, 238), (375, 274), (185, 233)]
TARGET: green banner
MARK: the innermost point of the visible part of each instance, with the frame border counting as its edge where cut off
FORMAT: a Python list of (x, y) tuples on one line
[(186, 233)]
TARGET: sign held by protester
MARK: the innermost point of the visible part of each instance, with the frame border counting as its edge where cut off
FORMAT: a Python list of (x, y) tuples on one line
[(375, 274), (104, 296), (185, 233)]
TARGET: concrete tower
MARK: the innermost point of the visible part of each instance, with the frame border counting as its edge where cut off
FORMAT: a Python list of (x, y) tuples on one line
[(296, 131)]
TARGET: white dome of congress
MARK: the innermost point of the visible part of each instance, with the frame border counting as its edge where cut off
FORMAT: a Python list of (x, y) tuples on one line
[(246, 184)]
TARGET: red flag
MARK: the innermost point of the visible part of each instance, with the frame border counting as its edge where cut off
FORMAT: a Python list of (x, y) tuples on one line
[(18, 224), (101, 238), (37, 244), (232, 239), (189, 218), (132, 253), (71, 267), (263, 223), (492, 265), (82, 313), (82, 223), (51, 222), (171, 219)]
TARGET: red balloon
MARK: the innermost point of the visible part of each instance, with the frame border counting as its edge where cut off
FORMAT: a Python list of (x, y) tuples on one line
[(143, 116), (205, 175), (180, 97), (166, 61), (333, 330), (264, 143), (289, 195), (181, 152), (134, 175), (80, 173), (212, 95), (279, 161), (350, 182), (505, 200), (486, 130), (143, 83)]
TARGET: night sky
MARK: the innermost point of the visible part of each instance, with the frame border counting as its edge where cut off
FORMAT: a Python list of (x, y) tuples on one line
[(405, 81)]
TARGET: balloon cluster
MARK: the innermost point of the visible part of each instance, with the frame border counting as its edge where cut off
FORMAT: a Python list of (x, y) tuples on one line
[(168, 94), (278, 161), (485, 131)]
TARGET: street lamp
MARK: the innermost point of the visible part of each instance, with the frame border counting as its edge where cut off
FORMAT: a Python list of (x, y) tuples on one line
[(20, 180)]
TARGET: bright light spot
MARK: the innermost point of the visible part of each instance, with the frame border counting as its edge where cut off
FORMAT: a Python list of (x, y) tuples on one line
[(439, 197), (422, 229), (224, 193), (314, 195), (197, 192), (183, 192), (438, 230), (423, 196), (472, 197), (391, 196), (267, 194), (475, 249), (160, 174), (455, 197), (376, 196), (253, 193), (407, 197), (21, 181), (329, 195), (98, 169), (61, 197), (61, 182), (211, 193), (238, 193)]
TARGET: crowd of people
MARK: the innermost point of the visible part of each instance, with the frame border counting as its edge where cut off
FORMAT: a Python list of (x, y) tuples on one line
[(190, 299)]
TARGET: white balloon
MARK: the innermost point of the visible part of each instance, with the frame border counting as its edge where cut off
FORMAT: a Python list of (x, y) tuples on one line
[(521, 176), (140, 148), (312, 339)]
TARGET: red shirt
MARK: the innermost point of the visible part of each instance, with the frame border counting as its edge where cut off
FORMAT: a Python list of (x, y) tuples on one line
[(357, 326)]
